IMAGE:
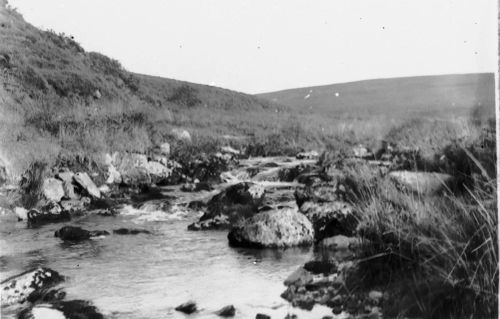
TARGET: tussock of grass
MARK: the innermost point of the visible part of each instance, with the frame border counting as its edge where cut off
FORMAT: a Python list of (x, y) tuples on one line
[(437, 256)]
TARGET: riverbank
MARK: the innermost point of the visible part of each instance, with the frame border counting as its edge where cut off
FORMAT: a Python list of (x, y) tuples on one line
[(352, 218)]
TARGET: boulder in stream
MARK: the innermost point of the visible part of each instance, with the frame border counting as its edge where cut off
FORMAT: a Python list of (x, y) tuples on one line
[(231, 205), (28, 286), (130, 231), (51, 212), (72, 233), (273, 229), (72, 309)]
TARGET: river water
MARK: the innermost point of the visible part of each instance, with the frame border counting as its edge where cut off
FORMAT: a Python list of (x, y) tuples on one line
[(148, 275)]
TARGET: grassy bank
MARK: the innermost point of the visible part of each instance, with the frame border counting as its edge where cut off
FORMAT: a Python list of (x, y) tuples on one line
[(436, 256)]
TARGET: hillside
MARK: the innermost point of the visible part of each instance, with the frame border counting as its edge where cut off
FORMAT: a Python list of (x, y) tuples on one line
[(441, 95), (57, 100)]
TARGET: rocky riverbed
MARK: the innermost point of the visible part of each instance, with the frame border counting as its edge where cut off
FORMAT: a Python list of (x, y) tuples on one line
[(272, 236)]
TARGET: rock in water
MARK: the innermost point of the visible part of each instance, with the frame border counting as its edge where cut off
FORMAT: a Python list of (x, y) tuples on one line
[(188, 307), (28, 286), (272, 229), (227, 311), (72, 233), (235, 203), (330, 219), (87, 184), (262, 316), (72, 309), (423, 183), (50, 213), (132, 231)]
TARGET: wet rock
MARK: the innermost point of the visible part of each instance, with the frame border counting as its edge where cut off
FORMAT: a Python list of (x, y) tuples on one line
[(330, 219), (71, 233), (52, 189), (72, 309), (21, 213), (308, 155), (84, 181), (50, 213), (28, 286), (227, 311), (423, 183), (233, 204), (262, 316), (130, 231), (187, 308), (276, 228)]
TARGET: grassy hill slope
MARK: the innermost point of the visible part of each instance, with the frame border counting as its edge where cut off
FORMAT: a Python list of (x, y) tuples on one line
[(57, 100), (441, 95)]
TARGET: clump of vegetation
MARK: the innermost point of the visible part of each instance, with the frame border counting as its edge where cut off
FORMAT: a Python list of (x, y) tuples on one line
[(436, 256)]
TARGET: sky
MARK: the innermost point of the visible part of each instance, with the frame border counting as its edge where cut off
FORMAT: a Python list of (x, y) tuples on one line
[(265, 45)]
